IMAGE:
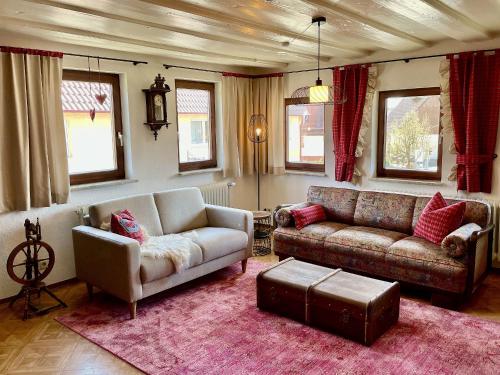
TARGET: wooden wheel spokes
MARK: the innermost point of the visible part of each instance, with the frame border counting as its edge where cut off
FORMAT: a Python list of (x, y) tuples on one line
[(37, 262)]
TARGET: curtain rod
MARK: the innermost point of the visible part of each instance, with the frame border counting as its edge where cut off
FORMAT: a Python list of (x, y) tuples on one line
[(404, 59), (135, 62)]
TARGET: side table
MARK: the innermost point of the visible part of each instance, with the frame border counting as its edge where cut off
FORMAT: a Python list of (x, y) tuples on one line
[(263, 230)]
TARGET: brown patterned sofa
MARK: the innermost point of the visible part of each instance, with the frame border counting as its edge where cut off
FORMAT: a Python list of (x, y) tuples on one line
[(371, 233)]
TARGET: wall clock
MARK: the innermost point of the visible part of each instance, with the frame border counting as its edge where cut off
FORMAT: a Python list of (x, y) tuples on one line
[(156, 105)]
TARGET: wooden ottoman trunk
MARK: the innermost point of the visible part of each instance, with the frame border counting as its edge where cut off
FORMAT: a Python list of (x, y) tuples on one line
[(356, 307)]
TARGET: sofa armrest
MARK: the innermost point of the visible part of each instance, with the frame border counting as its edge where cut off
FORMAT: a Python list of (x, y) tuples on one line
[(234, 218), (457, 242), (284, 218), (108, 261)]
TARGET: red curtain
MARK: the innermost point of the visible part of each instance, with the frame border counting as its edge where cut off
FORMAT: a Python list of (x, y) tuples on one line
[(349, 83), (475, 100)]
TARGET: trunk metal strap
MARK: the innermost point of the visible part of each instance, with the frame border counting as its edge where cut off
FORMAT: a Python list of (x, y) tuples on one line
[(313, 284)]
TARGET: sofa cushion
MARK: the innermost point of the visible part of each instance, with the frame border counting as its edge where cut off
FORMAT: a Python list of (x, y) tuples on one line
[(155, 268), (438, 219), (311, 236), (339, 203), (217, 242), (368, 238), (385, 210), (475, 212), (308, 215), (414, 259), (181, 210), (125, 224), (142, 206)]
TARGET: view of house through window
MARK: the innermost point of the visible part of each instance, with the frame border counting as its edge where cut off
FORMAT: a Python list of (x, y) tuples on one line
[(196, 125), (409, 133), (305, 148), (93, 154)]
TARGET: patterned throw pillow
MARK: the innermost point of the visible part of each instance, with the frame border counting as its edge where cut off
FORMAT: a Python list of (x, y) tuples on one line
[(124, 223), (438, 219), (308, 215)]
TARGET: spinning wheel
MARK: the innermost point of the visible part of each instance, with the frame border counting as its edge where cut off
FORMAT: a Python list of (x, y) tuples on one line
[(28, 264), (30, 261)]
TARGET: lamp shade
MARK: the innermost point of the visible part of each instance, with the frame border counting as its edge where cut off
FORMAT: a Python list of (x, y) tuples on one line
[(319, 94), (257, 128)]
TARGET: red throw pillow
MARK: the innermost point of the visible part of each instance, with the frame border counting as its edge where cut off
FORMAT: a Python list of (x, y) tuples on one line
[(124, 223), (437, 220), (308, 215)]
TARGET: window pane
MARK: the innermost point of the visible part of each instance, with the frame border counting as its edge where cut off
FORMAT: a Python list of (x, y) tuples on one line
[(305, 132), (91, 144), (412, 133), (193, 117)]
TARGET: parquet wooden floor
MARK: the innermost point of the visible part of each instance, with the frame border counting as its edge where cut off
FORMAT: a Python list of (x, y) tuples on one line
[(42, 346)]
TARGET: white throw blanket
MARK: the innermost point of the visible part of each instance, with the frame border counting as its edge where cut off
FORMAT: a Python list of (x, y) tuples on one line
[(180, 249)]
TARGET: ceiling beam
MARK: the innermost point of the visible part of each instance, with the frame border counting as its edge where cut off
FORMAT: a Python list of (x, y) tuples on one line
[(222, 20), (457, 16), (139, 42), (267, 45), (338, 10)]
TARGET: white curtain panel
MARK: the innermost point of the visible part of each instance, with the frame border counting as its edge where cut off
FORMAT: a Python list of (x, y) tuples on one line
[(33, 157)]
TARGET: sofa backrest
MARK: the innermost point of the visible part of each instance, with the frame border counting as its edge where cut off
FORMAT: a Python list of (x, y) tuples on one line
[(392, 211), (385, 210), (181, 210), (339, 203), (475, 211), (143, 208)]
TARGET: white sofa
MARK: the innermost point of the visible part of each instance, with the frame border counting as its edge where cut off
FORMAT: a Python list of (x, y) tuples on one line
[(114, 263)]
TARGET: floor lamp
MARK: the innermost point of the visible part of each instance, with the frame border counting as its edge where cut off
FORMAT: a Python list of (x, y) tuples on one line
[(257, 133)]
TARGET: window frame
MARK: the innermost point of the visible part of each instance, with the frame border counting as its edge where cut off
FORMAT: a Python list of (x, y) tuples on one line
[(303, 167), (400, 173), (203, 164), (114, 80)]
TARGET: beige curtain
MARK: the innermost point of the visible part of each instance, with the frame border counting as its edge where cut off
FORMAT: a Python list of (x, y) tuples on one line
[(365, 122), (33, 160), (268, 99), (242, 97)]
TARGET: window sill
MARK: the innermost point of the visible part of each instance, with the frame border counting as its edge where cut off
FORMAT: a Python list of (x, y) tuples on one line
[(199, 171), (306, 173), (407, 181), (97, 185)]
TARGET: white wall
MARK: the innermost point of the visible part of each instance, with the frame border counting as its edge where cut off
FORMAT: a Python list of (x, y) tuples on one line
[(152, 164)]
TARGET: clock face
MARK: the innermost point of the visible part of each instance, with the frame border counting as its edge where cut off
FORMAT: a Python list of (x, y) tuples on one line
[(158, 107)]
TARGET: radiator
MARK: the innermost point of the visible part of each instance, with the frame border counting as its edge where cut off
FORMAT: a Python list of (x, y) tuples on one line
[(495, 215), (218, 194)]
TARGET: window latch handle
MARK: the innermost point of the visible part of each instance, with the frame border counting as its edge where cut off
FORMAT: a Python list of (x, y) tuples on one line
[(120, 138)]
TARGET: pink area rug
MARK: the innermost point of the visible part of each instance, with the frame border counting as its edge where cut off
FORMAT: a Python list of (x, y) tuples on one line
[(212, 326)]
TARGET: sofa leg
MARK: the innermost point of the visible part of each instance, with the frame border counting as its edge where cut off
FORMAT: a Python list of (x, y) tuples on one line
[(447, 301), (90, 291), (244, 265), (132, 306)]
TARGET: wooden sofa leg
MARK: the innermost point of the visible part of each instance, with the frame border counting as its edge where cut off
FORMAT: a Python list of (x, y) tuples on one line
[(132, 306), (244, 265), (447, 301), (90, 291)]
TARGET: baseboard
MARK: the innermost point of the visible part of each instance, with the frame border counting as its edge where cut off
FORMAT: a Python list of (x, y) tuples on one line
[(54, 285)]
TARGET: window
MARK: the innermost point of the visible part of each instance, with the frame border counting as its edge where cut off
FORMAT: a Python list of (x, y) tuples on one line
[(409, 143), (196, 125), (95, 152), (304, 135)]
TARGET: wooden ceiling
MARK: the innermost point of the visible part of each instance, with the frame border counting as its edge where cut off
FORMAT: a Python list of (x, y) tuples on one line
[(253, 33)]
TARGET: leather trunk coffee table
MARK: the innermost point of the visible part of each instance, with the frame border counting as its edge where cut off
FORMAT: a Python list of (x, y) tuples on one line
[(356, 307)]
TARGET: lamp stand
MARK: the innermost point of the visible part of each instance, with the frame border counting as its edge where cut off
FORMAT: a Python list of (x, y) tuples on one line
[(258, 173)]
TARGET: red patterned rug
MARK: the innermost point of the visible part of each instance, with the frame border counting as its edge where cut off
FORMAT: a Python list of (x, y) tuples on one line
[(212, 326)]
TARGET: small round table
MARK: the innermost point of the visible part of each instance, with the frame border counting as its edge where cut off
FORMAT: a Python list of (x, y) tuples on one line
[(263, 229)]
